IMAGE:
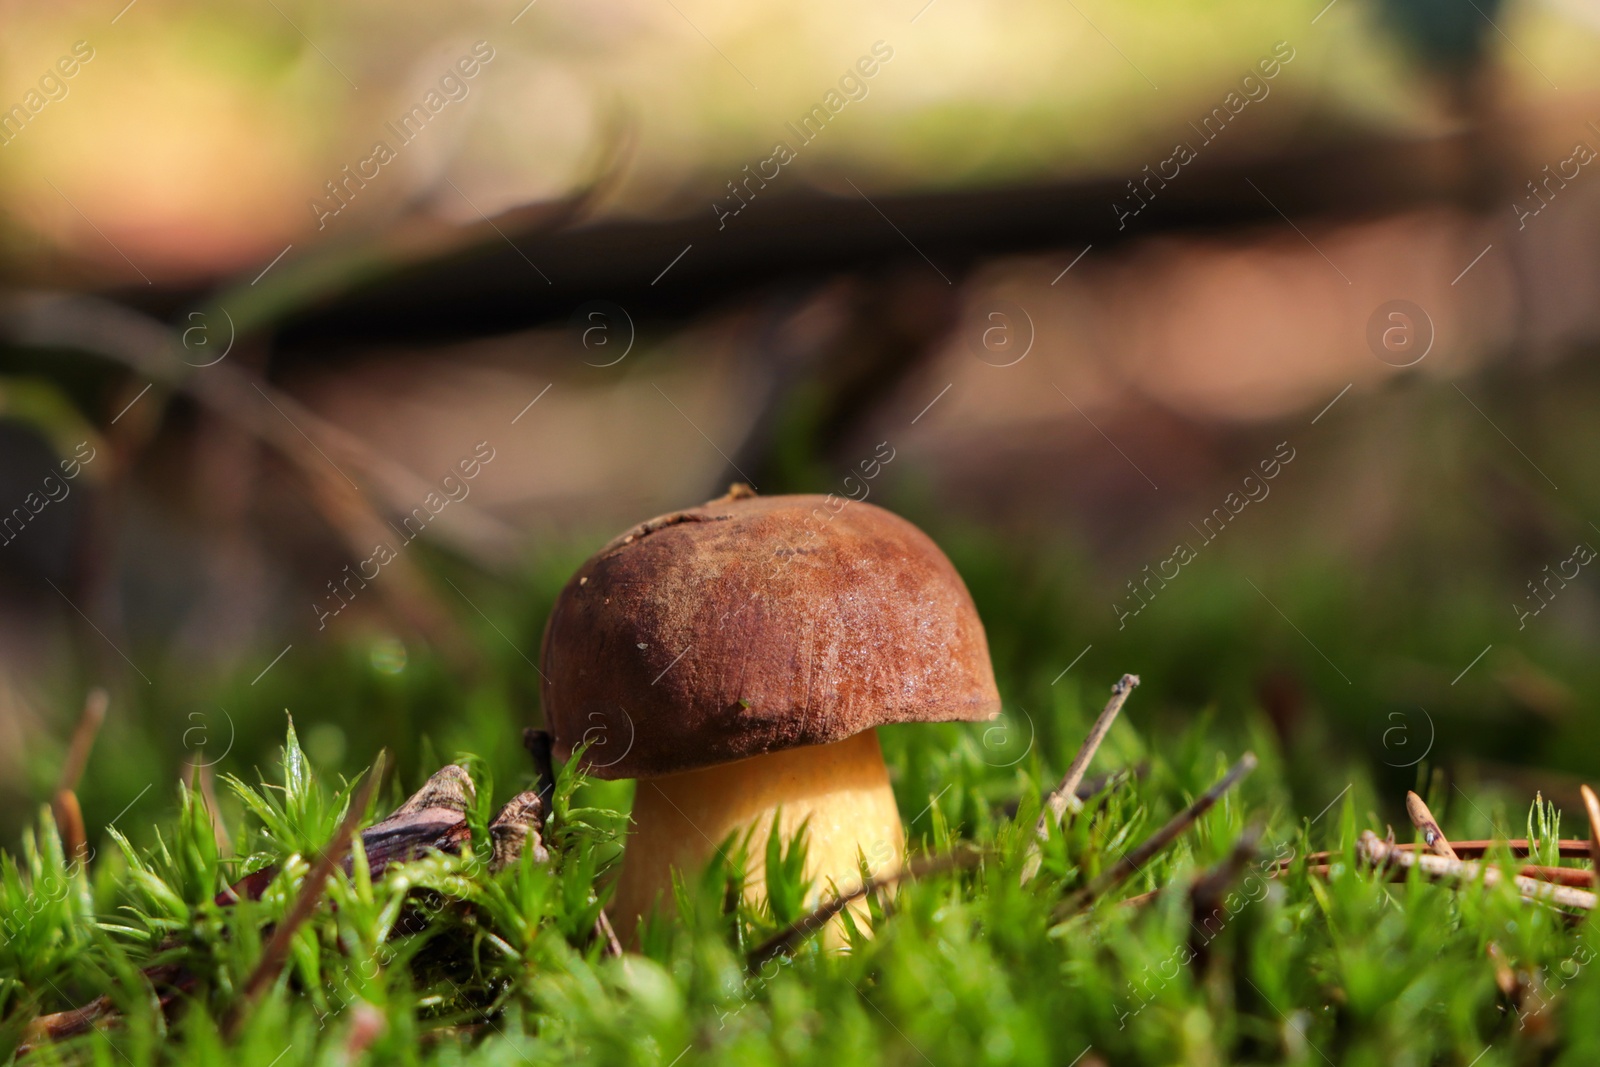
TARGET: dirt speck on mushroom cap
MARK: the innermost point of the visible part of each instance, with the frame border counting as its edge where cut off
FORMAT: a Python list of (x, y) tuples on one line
[(768, 623)]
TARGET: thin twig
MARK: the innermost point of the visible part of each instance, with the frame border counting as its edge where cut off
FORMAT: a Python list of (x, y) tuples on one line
[(1135, 860), (1207, 894), (1592, 806), (64, 803), (277, 950), (1423, 820), (1462, 872), (1504, 977), (609, 945), (69, 823), (1064, 797), (1569, 848), (1576, 877), (785, 940), (94, 713)]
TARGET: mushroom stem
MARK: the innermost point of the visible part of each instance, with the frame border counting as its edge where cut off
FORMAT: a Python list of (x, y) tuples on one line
[(680, 821)]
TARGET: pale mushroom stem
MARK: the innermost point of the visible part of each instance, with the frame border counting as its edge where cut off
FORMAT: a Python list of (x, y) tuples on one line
[(681, 819)]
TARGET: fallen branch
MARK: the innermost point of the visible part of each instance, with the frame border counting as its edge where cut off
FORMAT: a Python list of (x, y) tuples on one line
[(1380, 854), (1423, 820), (1133, 861), (1519, 847), (277, 950), (1208, 893), (1064, 797), (1576, 877), (785, 940)]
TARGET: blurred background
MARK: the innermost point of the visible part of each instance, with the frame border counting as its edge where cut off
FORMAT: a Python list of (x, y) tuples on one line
[(1245, 346)]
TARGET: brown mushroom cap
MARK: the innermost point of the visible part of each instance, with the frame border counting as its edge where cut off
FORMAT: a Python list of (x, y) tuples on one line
[(752, 624)]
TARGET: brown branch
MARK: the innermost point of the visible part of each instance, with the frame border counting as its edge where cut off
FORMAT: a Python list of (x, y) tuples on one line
[(277, 950), (1504, 977), (89, 722), (1208, 892), (1569, 848), (785, 940), (1133, 861), (69, 824), (1064, 797), (1576, 877), (1380, 854), (1423, 820), (64, 804)]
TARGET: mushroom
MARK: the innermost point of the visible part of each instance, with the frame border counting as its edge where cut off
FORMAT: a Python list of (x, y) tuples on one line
[(736, 658)]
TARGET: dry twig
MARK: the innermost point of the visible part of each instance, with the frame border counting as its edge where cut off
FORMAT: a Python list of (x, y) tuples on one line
[(64, 804), (277, 950), (1133, 861), (1569, 848), (607, 935), (785, 940), (1576, 877), (1064, 797), (1423, 820), (94, 714), (69, 823), (1462, 872), (1209, 892)]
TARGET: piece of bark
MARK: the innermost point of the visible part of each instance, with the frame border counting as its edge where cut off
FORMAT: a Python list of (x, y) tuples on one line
[(516, 830)]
